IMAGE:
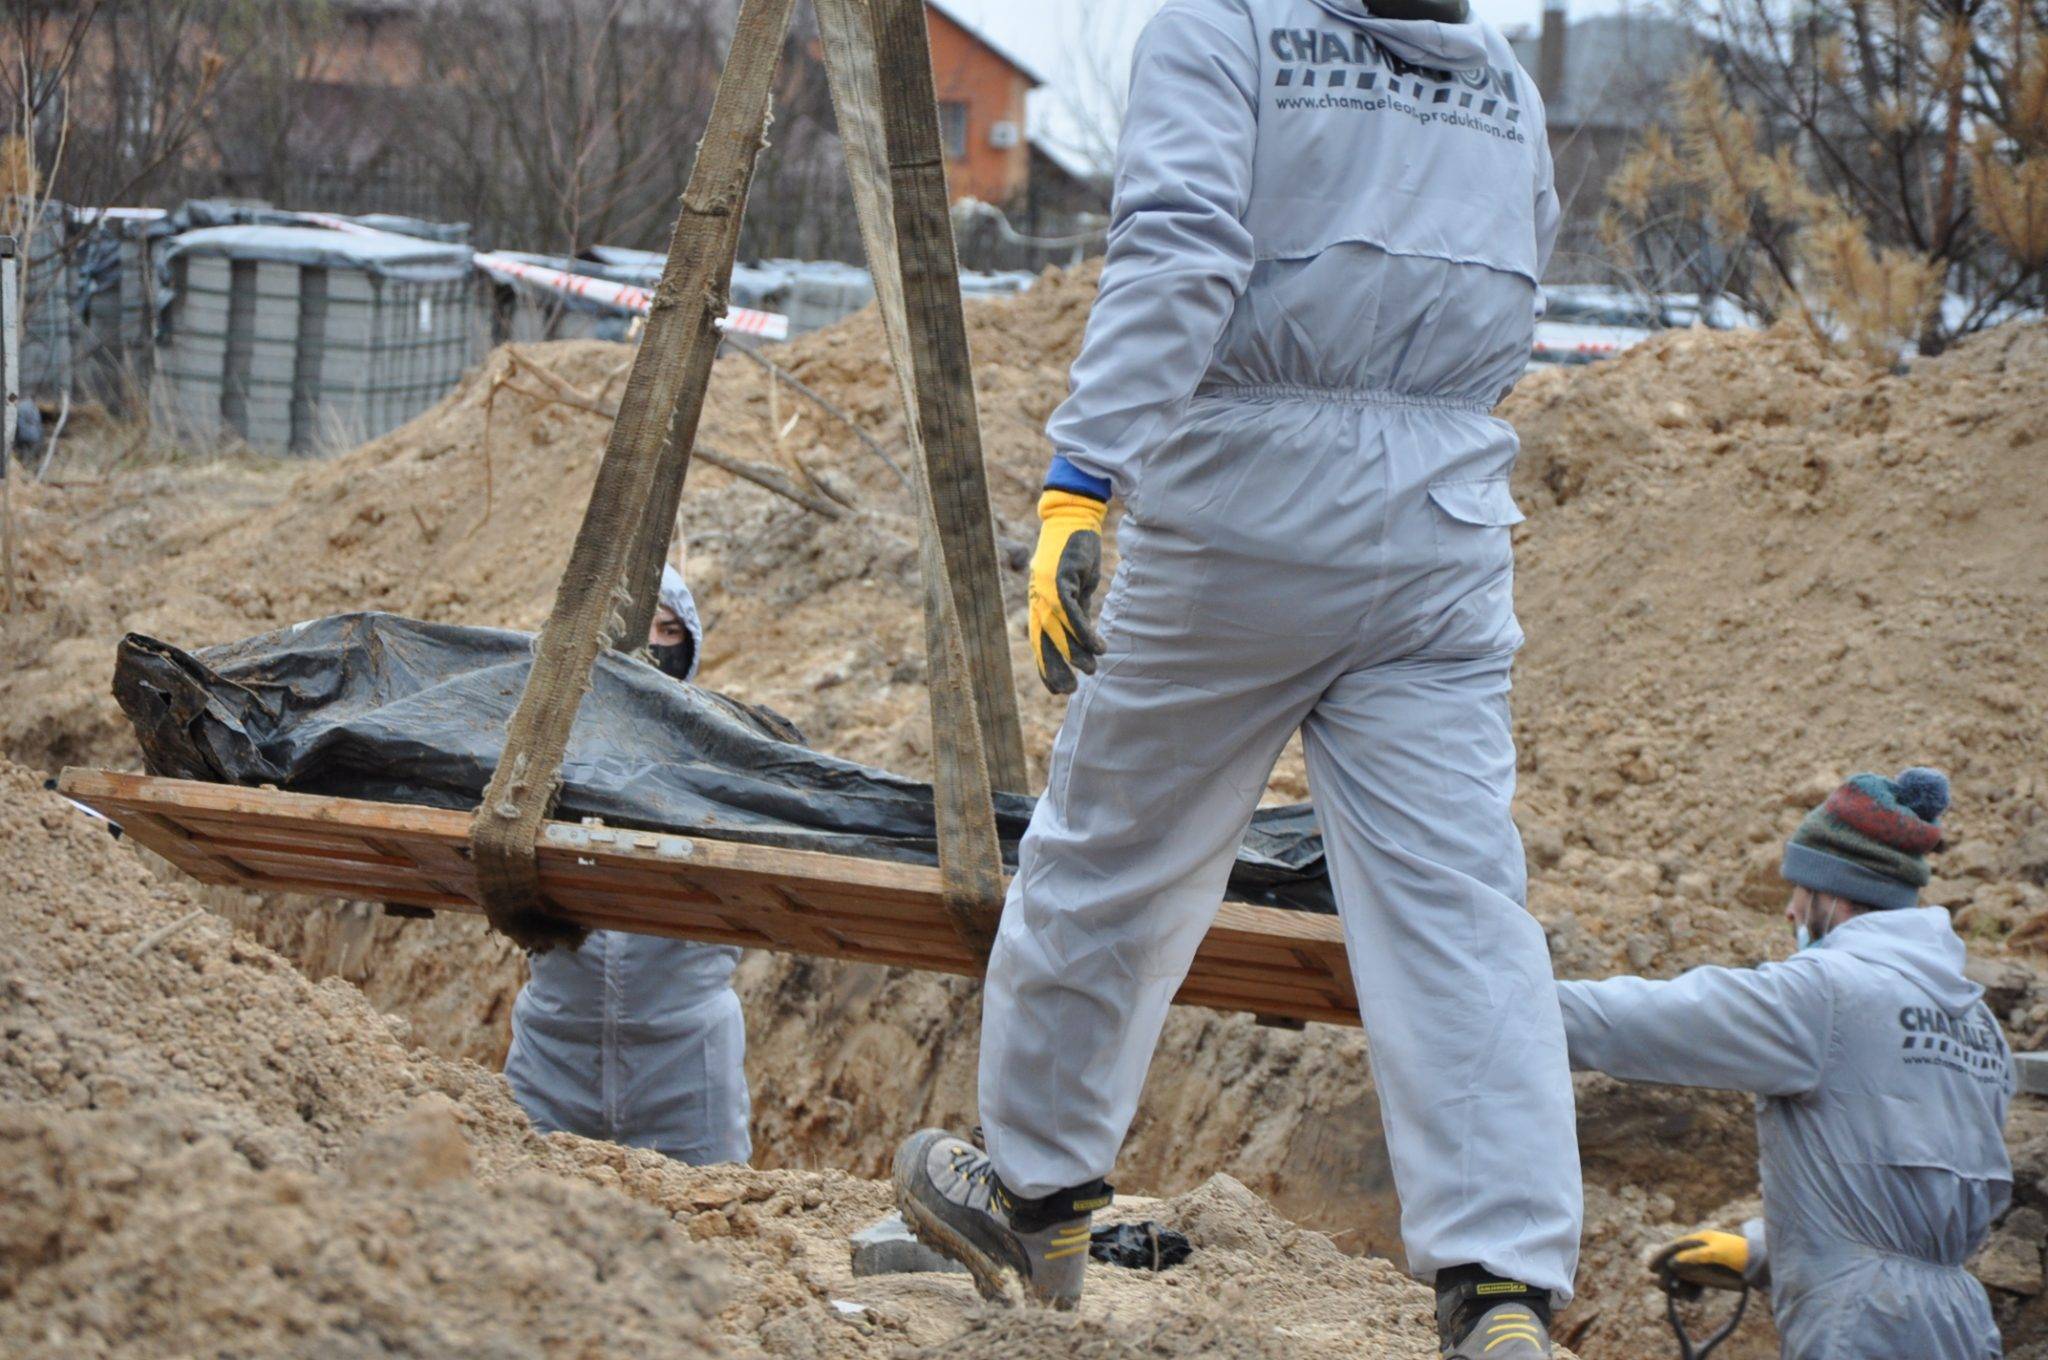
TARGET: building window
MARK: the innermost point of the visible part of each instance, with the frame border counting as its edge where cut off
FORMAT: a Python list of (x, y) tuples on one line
[(953, 128)]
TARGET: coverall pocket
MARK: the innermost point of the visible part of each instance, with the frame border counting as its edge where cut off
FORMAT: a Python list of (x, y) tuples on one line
[(1483, 501), (1472, 528), (1473, 585)]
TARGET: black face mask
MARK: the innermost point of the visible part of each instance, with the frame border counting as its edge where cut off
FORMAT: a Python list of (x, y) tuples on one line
[(1441, 11), (674, 658)]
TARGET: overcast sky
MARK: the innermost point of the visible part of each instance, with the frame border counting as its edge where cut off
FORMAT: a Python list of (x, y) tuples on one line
[(1083, 47)]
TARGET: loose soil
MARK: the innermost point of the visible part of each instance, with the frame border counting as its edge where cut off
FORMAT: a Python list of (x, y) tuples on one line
[(1748, 570), (204, 1152)]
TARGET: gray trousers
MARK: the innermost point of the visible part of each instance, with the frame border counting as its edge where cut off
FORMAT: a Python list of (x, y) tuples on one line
[(637, 1040), (1337, 564)]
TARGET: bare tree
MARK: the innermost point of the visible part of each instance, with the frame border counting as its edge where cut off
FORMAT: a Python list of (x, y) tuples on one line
[(133, 83), (1878, 169), (102, 98), (565, 123)]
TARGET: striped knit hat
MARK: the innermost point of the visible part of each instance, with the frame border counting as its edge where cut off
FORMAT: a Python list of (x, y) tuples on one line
[(1869, 841)]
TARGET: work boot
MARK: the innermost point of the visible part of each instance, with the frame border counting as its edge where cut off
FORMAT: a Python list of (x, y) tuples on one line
[(1484, 1317), (953, 1201)]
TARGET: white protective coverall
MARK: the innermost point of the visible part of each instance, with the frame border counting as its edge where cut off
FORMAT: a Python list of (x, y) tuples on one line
[(1884, 1082), (1322, 275), (636, 1039)]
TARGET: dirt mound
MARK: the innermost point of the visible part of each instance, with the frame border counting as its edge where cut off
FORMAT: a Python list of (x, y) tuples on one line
[(203, 1152), (136, 1234), (467, 513), (1748, 571), (207, 1153)]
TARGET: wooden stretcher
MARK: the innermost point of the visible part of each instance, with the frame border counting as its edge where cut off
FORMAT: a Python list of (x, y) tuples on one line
[(1284, 966), (521, 869)]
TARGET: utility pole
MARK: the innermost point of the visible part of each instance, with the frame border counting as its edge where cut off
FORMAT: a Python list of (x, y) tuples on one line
[(10, 376), (1550, 51)]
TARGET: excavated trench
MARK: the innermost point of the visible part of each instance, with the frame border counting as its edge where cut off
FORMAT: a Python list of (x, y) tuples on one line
[(1654, 793)]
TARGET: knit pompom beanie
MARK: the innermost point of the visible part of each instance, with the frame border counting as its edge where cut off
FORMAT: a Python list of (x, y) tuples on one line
[(1870, 840)]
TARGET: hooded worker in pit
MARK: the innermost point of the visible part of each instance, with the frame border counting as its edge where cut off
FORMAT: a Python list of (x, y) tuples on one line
[(1330, 220), (1883, 1084), (637, 1039)]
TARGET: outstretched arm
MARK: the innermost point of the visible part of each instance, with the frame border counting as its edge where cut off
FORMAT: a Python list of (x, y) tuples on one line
[(1762, 1029), (1179, 253)]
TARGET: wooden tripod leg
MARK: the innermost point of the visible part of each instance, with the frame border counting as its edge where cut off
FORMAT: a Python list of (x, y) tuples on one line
[(640, 479), (973, 698), (929, 265)]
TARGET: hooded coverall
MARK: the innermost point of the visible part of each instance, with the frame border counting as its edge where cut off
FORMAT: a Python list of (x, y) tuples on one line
[(1883, 1082), (636, 1039), (1322, 275)]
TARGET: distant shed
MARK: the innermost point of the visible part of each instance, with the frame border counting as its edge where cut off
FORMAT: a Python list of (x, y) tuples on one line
[(301, 339)]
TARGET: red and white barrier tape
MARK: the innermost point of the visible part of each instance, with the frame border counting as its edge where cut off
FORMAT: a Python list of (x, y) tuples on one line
[(624, 296), (608, 292)]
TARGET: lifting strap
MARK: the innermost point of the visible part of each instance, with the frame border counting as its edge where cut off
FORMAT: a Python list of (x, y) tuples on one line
[(899, 185), (607, 592), (663, 398), (899, 194)]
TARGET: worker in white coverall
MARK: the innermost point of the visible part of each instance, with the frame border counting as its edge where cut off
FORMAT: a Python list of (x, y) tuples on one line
[(1883, 1082), (637, 1039), (1327, 234)]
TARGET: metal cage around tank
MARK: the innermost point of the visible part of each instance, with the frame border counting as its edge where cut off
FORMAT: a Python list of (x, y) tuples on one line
[(302, 339)]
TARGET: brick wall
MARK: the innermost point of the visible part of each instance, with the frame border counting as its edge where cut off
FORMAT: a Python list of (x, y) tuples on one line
[(977, 89)]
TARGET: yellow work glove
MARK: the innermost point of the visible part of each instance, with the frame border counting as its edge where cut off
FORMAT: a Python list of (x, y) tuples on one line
[(1715, 1260), (1065, 569)]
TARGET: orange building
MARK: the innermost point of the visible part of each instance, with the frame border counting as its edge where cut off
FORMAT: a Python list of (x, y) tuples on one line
[(981, 91)]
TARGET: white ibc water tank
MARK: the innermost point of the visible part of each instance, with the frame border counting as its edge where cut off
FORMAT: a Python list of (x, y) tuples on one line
[(303, 339)]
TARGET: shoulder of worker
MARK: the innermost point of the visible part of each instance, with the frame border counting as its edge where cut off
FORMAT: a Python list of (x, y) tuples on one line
[(1223, 27), (1319, 31), (1297, 21), (1913, 948), (1231, 15), (1907, 1014), (1903, 970)]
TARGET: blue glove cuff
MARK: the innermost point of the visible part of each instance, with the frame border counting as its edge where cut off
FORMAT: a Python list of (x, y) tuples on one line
[(1064, 476)]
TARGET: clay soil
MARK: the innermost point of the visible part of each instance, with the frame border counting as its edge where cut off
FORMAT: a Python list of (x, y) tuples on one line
[(203, 1152), (1748, 570)]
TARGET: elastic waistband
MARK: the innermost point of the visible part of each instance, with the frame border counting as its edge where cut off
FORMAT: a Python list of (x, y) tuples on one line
[(1908, 1258), (1343, 396)]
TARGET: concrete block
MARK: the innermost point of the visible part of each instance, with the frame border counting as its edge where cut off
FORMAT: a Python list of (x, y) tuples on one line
[(886, 1247), (208, 272), (2032, 1072)]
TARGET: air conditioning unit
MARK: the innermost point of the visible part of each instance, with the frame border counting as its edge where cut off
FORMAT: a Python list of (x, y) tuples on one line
[(1004, 136)]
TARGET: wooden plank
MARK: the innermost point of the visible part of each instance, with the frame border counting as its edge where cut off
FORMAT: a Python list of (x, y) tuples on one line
[(447, 867), (178, 846), (223, 828), (1273, 963), (726, 889), (362, 880), (354, 852)]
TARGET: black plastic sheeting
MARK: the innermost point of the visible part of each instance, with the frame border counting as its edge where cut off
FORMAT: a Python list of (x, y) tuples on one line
[(392, 709), (1139, 1246)]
